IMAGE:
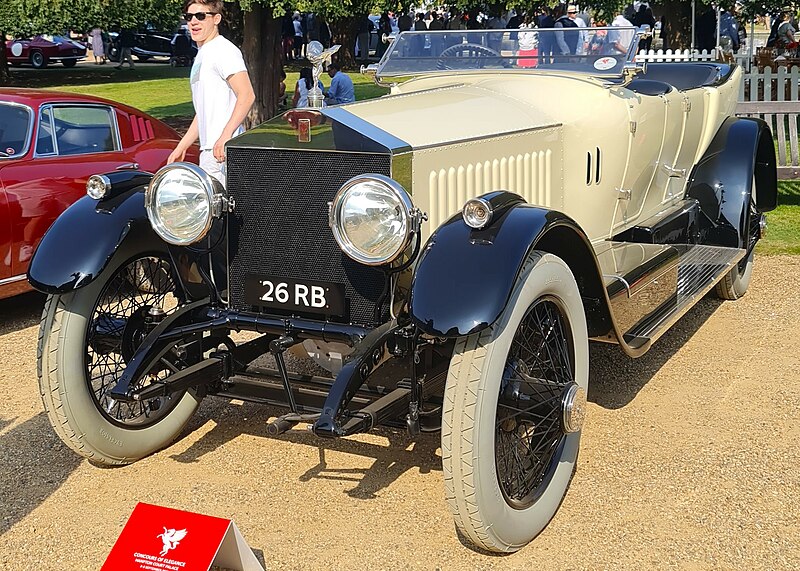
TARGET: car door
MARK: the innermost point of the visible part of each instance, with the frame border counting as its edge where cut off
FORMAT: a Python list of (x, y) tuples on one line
[(5, 237), (645, 143), (72, 141)]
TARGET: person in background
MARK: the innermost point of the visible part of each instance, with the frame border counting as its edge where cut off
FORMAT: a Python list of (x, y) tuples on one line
[(298, 36), (546, 40), (621, 40), (365, 27), (644, 17), (127, 41), (437, 40), (287, 38), (786, 42), (341, 89), (567, 41), (221, 91), (302, 88), (98, 49), (384, 29), (282, 90)]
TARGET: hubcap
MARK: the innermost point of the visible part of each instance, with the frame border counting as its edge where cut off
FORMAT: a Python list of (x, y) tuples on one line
[(573, 406)]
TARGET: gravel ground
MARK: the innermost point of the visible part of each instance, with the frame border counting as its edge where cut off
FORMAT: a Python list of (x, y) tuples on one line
[(689, 461)]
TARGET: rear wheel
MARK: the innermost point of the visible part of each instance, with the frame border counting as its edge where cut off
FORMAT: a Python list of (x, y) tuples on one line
[(38, 60), (86, 338), (735, 284), (514, 404)]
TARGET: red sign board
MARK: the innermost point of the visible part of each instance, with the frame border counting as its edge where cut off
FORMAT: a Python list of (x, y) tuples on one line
[(165, 539)]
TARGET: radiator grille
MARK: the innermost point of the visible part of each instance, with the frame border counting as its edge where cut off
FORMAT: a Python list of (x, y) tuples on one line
[(280, 223)]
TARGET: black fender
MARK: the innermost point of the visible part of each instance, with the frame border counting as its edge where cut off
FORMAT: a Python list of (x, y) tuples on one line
[(722, 181), (465, 277), (84, 238)]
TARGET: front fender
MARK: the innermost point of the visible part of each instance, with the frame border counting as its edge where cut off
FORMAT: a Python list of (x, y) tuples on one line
[(722, 182), (464, 277), (80, 243)]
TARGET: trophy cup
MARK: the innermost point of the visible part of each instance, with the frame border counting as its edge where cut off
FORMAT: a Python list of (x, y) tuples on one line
[(318, 56)]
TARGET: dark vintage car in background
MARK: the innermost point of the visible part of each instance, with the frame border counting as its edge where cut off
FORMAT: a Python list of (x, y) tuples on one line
[(50, 144), (153, 44), (42, 50), (443, 275)]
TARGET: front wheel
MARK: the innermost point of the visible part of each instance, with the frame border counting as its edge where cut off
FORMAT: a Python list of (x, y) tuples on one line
[(86, 337), (69, 62), (514, 404), (38, 60)]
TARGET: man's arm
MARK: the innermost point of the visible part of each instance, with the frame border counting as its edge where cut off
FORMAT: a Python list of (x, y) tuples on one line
[(562, 45), (186, 141), (243, 89), (334, 89)]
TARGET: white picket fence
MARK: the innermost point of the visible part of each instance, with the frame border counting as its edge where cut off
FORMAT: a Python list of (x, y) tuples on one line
[(771, 85)]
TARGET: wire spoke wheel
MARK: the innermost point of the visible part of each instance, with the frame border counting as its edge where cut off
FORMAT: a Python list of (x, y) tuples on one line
[(120, 321), (514, 405), (529, 428)]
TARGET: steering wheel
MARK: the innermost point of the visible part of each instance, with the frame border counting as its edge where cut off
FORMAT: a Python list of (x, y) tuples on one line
[(466, 56), (2, 154)]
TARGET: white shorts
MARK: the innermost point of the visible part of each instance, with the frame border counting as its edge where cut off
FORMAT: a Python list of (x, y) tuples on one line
[(209, 164)]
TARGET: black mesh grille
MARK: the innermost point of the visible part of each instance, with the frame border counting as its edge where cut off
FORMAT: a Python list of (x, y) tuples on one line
[(280, 223)]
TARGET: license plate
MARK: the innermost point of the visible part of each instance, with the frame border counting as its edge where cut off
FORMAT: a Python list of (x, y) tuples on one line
[(306, 296)]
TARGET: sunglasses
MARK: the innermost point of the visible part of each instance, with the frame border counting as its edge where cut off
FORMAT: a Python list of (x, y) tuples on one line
[(199, 15), (571, 12)]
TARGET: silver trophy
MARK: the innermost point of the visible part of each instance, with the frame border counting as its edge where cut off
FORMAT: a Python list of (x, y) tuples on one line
[(318, 56)]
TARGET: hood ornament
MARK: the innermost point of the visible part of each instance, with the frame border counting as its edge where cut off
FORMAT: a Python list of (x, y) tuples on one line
[(318, 56)]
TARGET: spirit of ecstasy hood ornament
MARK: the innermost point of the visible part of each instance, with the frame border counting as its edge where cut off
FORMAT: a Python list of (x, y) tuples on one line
[(318, 56)]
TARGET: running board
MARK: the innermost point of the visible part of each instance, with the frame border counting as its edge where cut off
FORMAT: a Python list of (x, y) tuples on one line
[(700, 268), (650, 286)]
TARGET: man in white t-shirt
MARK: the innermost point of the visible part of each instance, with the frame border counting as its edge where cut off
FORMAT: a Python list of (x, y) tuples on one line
[(221, 90)]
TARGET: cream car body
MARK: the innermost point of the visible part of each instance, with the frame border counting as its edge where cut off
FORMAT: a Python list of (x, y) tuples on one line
[(445, 253)]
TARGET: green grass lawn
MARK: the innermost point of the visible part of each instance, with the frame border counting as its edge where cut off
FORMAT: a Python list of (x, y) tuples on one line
[(163, 91), (160, 90), (783, 223)]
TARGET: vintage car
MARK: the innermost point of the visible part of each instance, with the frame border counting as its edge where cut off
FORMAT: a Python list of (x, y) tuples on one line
[(153, 44), (445, 254), (50, 144), (42, 50)]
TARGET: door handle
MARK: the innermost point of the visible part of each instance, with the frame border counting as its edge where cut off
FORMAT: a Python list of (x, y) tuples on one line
[(128, 166), (673, 172)]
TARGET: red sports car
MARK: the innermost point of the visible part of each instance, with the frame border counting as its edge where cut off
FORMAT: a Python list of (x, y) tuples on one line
[(50, 143), (42, 50)]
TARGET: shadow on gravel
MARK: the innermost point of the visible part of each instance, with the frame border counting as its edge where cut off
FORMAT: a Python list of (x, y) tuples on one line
[(33, 464), (390, 461), (20, 312), (615, 379)]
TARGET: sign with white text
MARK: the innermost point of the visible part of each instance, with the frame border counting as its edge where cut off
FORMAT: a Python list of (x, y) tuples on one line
[(164, 539)]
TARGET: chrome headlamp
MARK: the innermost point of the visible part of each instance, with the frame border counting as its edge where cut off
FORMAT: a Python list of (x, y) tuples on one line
[(373, 219), (182, 201)]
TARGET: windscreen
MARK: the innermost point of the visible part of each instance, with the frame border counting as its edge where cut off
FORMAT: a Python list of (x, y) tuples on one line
[(596, 51)]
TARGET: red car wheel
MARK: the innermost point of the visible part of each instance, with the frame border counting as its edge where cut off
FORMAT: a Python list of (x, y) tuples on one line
[(38, 60)]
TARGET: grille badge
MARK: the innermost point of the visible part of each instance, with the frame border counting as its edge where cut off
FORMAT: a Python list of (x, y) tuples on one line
[(304, 130)]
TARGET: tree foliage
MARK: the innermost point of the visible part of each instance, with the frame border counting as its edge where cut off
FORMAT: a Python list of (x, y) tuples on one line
[(31, 17)]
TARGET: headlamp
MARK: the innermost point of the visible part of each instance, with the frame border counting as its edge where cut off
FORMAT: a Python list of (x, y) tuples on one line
[(182, 201), (373, 219)]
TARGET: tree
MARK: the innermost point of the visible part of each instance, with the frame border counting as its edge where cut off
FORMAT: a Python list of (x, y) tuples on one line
[(27, 18)]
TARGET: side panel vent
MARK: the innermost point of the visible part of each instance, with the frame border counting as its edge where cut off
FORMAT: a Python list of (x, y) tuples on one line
[(528, 174), (141, 128)]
